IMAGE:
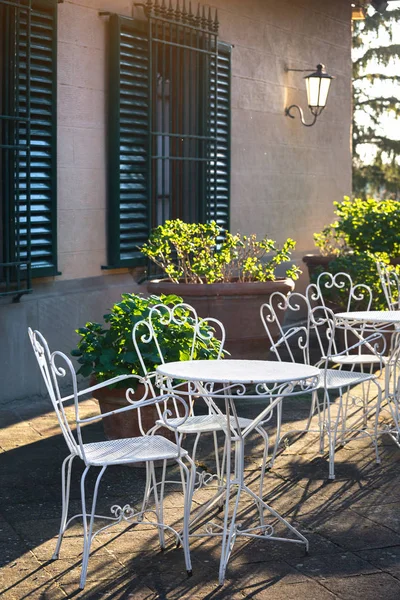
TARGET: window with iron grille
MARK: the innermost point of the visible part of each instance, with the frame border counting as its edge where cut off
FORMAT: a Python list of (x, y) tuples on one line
[(169, 125), (27, 143)]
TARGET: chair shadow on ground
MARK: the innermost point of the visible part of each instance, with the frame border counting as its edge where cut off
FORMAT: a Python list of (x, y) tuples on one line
[(129, 564)]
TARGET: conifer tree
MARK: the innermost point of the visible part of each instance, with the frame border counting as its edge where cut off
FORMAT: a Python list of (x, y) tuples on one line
[(380, 178)]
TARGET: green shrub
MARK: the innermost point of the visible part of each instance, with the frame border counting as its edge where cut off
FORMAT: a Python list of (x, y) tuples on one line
[(362, 226), (105, 352), (205, 253)]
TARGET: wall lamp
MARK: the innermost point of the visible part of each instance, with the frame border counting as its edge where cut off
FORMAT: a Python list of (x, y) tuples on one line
[(317, 84)]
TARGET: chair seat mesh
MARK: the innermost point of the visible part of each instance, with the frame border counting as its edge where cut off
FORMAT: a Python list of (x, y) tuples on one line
[(205, 423), (338, 379), (146, 448)]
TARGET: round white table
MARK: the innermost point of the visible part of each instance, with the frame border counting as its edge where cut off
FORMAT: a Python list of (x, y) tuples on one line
[(245, 380), (371, 317)]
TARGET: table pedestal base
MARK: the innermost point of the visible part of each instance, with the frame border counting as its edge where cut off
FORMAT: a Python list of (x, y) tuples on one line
[(230, 529)]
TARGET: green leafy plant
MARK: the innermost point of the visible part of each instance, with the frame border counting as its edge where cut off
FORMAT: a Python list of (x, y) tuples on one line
[(107, 351), (365, 231), (205, 253), (362, 226)]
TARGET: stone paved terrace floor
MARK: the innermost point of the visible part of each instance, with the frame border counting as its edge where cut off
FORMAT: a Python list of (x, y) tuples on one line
[(353, 523)]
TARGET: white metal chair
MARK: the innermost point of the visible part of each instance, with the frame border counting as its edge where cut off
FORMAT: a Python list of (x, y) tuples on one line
[(147, 448), (390, 282), (339, 289), (293, 343), (145, 334)]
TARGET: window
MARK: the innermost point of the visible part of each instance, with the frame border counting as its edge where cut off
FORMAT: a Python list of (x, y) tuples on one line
[(169, 126), (27, 143)]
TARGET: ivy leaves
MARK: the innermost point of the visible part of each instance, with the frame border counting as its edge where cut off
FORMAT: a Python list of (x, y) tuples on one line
[(107, 351)]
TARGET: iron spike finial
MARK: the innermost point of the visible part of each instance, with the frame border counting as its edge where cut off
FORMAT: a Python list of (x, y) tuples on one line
[(156, 8), (148, 9), (178, 11), (210, 21), (190, 14), (170, 11), (216, 22), (198, 16), (184, 12), (203, 17), (163, 8)]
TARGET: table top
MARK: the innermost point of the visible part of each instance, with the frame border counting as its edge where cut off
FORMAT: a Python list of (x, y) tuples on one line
[(371, 316), (238, 371)]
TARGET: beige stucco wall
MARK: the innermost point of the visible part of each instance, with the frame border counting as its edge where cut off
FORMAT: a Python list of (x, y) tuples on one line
[(284, 176)]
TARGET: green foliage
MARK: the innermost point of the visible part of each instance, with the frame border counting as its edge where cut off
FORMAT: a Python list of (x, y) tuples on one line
[(205, 253), (362, 226), (106, 352)]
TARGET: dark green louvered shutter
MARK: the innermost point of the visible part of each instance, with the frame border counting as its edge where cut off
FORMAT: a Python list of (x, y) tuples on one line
[(27, 142), (132, 170), (42, 220), (218, 177), (128, 99)]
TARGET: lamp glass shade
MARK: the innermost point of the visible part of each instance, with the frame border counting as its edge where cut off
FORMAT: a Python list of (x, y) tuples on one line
[(318, 85)]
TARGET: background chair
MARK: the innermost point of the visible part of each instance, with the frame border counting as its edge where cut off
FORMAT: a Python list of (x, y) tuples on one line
[(146, 341), (147, 448), (293, 344), (390, 282)]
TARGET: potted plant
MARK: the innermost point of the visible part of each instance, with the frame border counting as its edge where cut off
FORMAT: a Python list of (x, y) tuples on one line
[(106, 350), (222, 275)]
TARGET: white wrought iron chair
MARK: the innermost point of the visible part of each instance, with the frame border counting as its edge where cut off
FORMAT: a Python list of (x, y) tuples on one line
[(147, 448), (322, 322), (293, 344), (145, 333), (349, 297), (390, 282)]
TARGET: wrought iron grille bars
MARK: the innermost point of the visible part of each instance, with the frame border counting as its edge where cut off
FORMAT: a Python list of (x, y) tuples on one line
[(169, 110), (183, 57), (27, 143)]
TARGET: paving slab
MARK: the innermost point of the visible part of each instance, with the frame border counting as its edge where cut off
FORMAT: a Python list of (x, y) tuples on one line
[(352, 524), (365, 587)]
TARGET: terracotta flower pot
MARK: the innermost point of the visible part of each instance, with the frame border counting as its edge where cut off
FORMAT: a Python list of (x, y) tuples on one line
[(126, 424), (236, 305)]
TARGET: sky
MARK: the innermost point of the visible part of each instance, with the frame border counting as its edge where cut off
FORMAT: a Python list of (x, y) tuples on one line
[(390, 125)]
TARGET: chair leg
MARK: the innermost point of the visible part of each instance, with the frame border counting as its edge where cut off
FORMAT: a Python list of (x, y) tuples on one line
[(264, 435), (147, 490), (332, 433), (159, 503), (278, 434), (189, 490), (314, 401), (65, 491), (87, 531), (376, 428)]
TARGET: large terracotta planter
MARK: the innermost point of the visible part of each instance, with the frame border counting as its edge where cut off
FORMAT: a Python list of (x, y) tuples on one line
[(314, 261), (236, 305)]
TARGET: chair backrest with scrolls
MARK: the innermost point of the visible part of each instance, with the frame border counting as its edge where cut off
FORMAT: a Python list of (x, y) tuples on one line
[(338, 291), (390, 282), (286, 342), (53, 366), (201, 332)]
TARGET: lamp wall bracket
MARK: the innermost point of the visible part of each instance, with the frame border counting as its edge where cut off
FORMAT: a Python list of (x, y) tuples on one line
[(288, 114)]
